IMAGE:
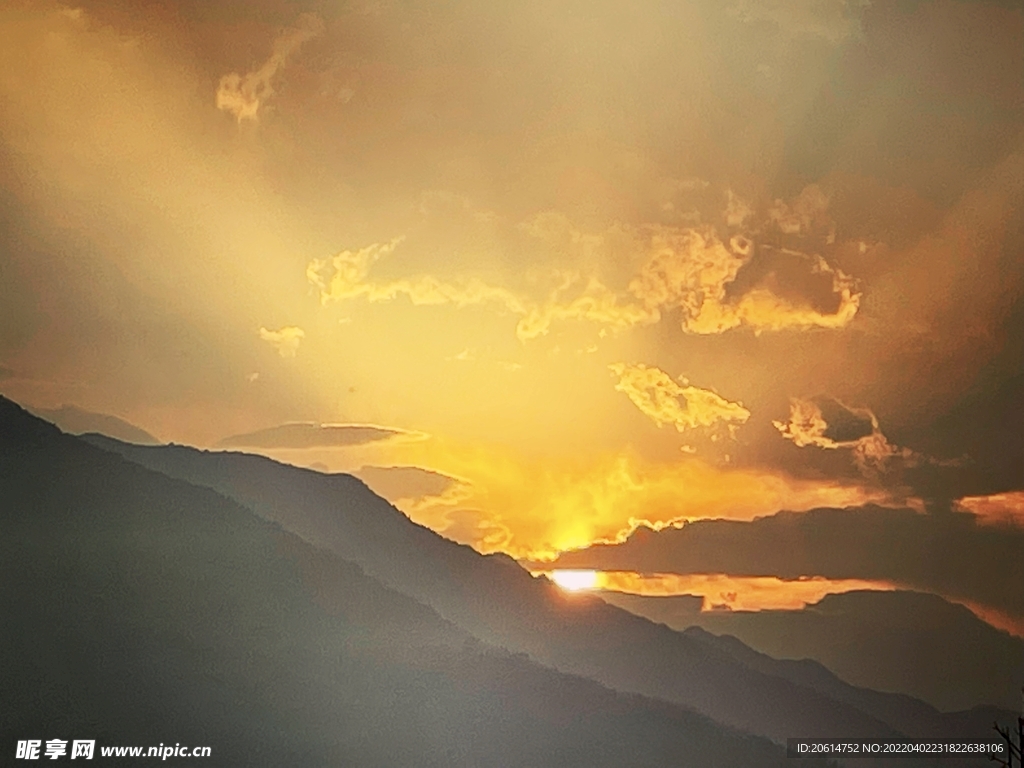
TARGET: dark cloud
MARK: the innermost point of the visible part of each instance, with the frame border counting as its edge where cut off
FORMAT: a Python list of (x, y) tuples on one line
[(790, 275), (844, 424), (394, 483), (310, 435), (953, 555), (76, 421)]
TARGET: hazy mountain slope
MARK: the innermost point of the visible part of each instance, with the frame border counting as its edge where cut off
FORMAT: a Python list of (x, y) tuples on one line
[(76, 421), (903, 712), (140, 609), (500, 603), (907, 642)]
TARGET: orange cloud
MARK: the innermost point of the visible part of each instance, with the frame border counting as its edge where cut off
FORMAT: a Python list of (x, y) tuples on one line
[(285, 341), (802, 213), (241, 95), (595, 303), (551, 504), (872, 451), (346, 276), (657, 395), (691, 270), (997, 509)]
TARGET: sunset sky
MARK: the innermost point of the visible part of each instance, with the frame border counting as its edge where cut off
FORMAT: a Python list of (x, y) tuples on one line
[(538, 272)]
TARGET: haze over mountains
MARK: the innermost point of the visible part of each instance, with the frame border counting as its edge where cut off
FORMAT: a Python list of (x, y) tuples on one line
[(142, 608), (888, 641), (491, 600), (501, 604), (76, 421)]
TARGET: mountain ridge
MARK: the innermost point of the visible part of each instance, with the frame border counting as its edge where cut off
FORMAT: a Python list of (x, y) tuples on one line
[(142, 608), (575, 633)]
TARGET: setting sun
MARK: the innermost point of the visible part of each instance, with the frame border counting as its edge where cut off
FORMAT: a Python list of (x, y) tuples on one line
[(575, 581)]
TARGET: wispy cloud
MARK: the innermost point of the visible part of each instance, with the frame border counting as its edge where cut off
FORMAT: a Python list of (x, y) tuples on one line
[(658, 396), (242, 95), (689, 270), (827, 423), (347, 276), (692, 270), (313, 435), (285, 341)]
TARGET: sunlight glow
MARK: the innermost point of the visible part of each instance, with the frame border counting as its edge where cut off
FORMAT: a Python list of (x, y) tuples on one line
[(575, 581)]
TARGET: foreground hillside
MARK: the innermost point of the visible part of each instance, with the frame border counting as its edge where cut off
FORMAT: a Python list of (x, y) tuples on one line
[(142, 609)]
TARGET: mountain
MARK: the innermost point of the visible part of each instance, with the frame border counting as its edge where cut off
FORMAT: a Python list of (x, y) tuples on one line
[(75, 421), (500, 603), (902, 712), (142, 609), (888, 641)]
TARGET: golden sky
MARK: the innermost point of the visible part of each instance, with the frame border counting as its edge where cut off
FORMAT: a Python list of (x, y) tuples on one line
[(572, 267)]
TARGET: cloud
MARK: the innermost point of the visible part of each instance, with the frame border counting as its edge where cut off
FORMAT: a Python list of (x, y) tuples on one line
[(996, 509), (804, 212), (346, 276), (311, 435), (242, 95), (554, 503), (285, 341), (694, 271), (76, 421), (690, 270), (595, 303), (827, 423), (478, 530), (658, 396), (406, 483), (953, 555)]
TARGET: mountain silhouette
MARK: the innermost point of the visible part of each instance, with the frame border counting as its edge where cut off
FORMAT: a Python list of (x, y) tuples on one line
[(499, 603), (138, 608), (76, 421), (888, 641)]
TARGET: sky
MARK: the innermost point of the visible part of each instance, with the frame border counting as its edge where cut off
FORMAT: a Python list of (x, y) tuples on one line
[(540, 273)]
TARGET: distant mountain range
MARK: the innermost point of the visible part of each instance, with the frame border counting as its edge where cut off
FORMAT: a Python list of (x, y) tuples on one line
[(76, 421), (293, 617), (500, 603), (139, 608), (907, 642)]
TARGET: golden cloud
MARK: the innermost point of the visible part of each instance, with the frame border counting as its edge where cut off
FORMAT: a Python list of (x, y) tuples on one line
[(872, 451), (285, 341), (798, 216), (241, 95), (596, 303), (346, 276), (996, 509), (552, 504), (658, 395), (692, 270), (687, 269)]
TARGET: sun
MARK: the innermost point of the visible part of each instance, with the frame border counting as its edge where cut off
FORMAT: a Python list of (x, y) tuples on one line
[(575, 581)]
